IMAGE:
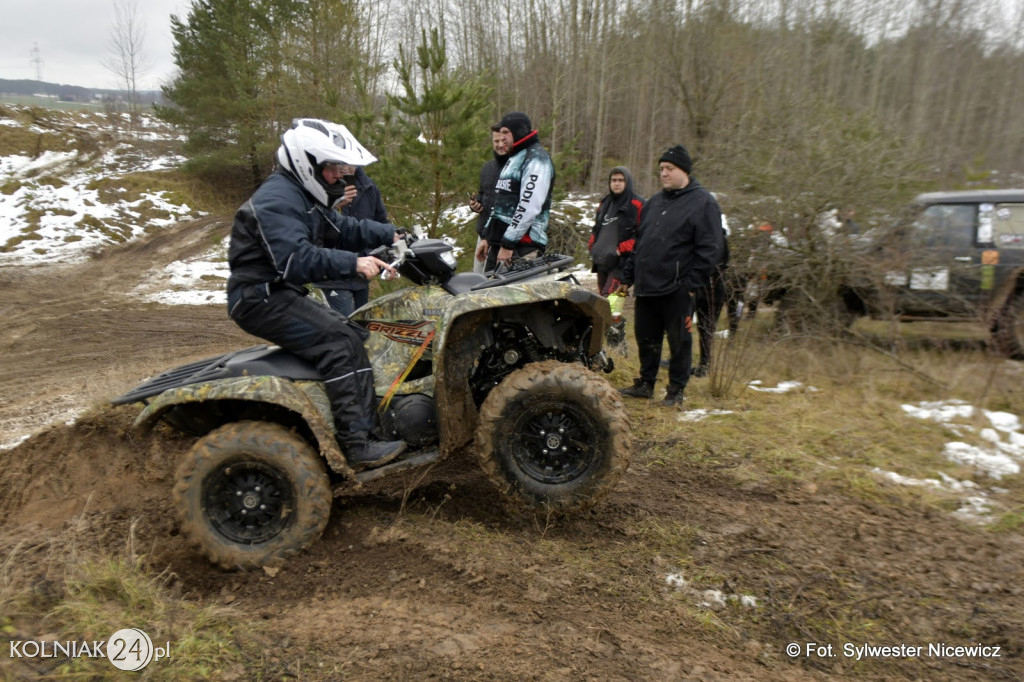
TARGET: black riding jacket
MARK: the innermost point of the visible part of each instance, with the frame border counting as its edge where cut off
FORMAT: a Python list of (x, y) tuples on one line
[(677, 244), (283, 237)]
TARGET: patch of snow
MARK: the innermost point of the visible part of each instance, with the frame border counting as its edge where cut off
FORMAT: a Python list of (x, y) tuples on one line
[(782, 387), (713, 599), (947, 482), (943, 411), (43, 222), (701, 414), (994, 464), (998, 457), (14, 443), (976, 509), (200, 280)]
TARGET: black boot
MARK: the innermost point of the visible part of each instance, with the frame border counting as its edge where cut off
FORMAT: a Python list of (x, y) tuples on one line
[(673, 396), (372, 453), (639, 389)]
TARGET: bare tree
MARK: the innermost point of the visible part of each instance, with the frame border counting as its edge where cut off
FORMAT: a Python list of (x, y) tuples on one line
[(125, 55)]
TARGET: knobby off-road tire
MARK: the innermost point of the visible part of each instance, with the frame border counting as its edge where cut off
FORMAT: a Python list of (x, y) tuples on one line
[(554, 437), (251, 494), (1008, 337)]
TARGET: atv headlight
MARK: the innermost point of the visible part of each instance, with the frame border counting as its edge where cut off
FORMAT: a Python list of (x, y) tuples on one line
[(449, 259)]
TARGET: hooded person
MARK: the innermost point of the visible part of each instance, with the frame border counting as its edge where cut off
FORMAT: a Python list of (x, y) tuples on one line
[(362, 199), (614, 231), (522, 194), (288, 235)]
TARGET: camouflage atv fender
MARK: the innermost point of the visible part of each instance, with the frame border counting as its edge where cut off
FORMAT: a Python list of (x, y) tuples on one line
[(595, 306), (305, 398), (462, 332)]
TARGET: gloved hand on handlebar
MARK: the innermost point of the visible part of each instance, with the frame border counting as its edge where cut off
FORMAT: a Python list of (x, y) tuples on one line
[(369, 267)]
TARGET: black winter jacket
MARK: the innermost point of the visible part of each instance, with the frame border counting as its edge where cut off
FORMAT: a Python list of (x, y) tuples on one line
[(677, 244), (623, 213), (282, 237), (488, 179)]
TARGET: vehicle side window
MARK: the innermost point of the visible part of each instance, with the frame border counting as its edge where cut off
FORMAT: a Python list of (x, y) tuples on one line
[(1008, 226), (947, 225)]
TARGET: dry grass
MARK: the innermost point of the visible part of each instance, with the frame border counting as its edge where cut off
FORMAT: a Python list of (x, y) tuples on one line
[(844, 419), (60, 590)]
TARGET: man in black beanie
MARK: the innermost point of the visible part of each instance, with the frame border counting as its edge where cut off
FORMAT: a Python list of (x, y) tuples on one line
[(522, 196), (677, 245)]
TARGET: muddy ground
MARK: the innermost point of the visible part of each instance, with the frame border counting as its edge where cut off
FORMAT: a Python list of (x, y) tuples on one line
[(433, 580)]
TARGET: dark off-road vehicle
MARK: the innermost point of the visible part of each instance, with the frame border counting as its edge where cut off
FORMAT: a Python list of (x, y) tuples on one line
[(961, 259)]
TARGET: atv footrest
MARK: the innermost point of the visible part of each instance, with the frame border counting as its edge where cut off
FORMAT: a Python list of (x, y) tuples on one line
[(411, 462)]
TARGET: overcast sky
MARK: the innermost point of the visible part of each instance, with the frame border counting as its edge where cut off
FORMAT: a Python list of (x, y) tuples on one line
[(73, 37)]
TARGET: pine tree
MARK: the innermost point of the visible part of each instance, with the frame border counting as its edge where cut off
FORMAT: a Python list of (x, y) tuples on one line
[(439, 124), (226, 95)]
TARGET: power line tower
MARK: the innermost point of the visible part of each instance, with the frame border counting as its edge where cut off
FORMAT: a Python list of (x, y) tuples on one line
[(37, 61)]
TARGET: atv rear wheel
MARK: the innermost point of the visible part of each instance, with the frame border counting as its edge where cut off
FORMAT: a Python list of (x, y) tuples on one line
[(252, 494), (1008, 335), (553, 436)]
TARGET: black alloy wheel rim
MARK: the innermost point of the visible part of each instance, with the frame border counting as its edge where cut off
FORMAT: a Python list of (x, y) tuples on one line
[(248, 502), (556, 442)]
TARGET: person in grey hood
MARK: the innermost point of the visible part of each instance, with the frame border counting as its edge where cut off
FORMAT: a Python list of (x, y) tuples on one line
[(614, 231), (362, 199), (677, 246)]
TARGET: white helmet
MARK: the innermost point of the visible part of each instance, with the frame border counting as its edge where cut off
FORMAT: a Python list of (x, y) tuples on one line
[(309, 144)]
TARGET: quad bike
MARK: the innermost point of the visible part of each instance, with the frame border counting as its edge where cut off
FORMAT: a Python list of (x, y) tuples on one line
[(501, 366)]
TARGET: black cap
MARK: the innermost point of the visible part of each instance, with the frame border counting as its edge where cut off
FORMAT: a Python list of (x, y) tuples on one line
[(678, 157), (518, 124)]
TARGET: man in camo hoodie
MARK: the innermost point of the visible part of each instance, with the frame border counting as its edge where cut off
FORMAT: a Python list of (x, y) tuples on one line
[(522, 198)]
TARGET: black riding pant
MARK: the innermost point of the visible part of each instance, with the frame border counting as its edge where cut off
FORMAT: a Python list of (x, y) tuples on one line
[(320, 336), (656, 317)]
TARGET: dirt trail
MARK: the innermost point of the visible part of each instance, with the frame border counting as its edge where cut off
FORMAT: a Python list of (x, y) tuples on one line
[(460, 593), (71, 337)]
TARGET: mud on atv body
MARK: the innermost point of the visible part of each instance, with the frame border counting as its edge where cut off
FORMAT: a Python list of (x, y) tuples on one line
[(501, 368)]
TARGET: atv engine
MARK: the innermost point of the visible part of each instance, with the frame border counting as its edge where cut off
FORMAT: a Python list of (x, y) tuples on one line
[(412, 418)]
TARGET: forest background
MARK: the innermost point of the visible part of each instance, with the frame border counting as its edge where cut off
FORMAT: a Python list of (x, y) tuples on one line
[(789, 107)]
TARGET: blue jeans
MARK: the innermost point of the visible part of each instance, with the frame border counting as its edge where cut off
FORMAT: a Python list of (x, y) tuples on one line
[(345, 301)]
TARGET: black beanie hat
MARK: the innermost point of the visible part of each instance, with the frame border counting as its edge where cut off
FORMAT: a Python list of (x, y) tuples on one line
[(678, 157), (518, 124)]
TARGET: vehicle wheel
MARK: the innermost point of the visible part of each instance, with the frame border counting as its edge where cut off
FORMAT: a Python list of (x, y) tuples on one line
[(1008, 334), (554, 436), (252, 494)]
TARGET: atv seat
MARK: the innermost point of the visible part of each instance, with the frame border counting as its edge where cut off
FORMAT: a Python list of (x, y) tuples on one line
[(462, 282)]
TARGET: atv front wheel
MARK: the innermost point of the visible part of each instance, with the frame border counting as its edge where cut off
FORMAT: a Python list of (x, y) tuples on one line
[(252, 494), (554, 436)]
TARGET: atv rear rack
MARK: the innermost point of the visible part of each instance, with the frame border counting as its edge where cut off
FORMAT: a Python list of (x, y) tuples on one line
[(253, 361), (518, 269)]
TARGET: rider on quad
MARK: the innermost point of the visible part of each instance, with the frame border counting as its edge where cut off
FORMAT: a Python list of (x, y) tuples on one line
[(287, 235)]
